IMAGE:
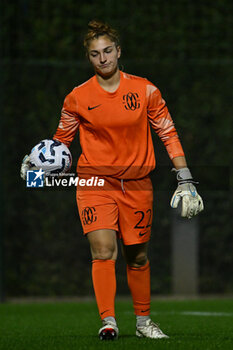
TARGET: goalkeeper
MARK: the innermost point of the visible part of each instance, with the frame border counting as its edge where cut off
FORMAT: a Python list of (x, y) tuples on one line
[(113, 112)]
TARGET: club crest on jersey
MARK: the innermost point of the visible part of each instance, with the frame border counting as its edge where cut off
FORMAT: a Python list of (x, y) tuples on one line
[(131, 101)]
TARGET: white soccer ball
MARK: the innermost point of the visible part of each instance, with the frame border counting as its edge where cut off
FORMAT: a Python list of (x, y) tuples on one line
[(52, 156)]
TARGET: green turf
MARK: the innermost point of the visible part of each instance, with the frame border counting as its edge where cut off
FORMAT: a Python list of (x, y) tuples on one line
[(68, 326)]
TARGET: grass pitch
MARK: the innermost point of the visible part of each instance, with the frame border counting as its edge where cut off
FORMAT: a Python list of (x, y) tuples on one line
[(198, 324)]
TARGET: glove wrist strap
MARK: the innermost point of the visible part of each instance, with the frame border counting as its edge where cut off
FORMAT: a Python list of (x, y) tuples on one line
[(183, 175)]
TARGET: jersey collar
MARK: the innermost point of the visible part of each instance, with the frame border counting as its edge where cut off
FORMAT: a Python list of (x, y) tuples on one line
[(107, 93)]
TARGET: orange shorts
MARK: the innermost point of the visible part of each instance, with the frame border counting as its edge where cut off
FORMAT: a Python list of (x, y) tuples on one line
[(121, 205)]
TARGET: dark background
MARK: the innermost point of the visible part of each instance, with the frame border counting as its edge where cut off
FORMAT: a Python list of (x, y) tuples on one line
[(184, 48)]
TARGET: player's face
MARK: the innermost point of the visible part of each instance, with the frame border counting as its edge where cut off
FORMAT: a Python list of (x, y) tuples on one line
[(103, 55)]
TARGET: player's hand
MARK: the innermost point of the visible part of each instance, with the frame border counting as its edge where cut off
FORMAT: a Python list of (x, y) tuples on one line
[(186, 192), (192, 203), (25, 166)]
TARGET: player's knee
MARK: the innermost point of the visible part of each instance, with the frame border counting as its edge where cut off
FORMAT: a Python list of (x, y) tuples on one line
[(103, 256), (138, 261), (104, 253)]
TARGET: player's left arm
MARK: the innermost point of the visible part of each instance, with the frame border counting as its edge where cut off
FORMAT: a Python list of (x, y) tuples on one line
[(161, 121)]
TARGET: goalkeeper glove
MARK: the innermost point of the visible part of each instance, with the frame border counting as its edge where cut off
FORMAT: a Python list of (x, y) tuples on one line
[(191, 201), (25, 166)]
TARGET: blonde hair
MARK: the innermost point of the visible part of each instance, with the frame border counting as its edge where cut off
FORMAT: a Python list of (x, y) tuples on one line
[(96, 29)]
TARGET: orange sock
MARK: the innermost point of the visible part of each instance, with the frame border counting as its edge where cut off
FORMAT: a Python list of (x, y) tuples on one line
[(139, 285), (104, 282)]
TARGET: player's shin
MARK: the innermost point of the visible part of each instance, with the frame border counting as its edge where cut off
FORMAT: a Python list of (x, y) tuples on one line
[(139, 285), (104, 283)]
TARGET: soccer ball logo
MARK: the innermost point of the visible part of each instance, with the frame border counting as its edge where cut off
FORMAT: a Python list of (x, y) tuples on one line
[(52, 156)]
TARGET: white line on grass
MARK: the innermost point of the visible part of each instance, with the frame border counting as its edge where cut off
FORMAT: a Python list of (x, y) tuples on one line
[(195, 313), (207, 313), (190, 313)]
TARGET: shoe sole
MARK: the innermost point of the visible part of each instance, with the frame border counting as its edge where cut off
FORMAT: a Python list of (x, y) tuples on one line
[(140, 335), (108, 334)]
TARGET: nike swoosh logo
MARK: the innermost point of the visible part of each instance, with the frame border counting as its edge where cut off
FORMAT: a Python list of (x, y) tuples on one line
[(145, 310), (90, 108), (142, 233), (103, 312)]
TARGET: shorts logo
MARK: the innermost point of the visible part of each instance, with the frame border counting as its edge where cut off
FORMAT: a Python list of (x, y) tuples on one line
[(88, 215), (131, 101), (143, 233)]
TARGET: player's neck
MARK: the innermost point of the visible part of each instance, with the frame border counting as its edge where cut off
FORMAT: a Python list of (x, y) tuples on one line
[(110, 83)]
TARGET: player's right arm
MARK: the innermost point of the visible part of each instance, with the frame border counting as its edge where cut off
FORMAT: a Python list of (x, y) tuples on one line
[(67, 128), (69, 121)]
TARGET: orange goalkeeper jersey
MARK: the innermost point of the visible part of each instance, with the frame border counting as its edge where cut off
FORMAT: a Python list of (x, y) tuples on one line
[(114, 127)]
